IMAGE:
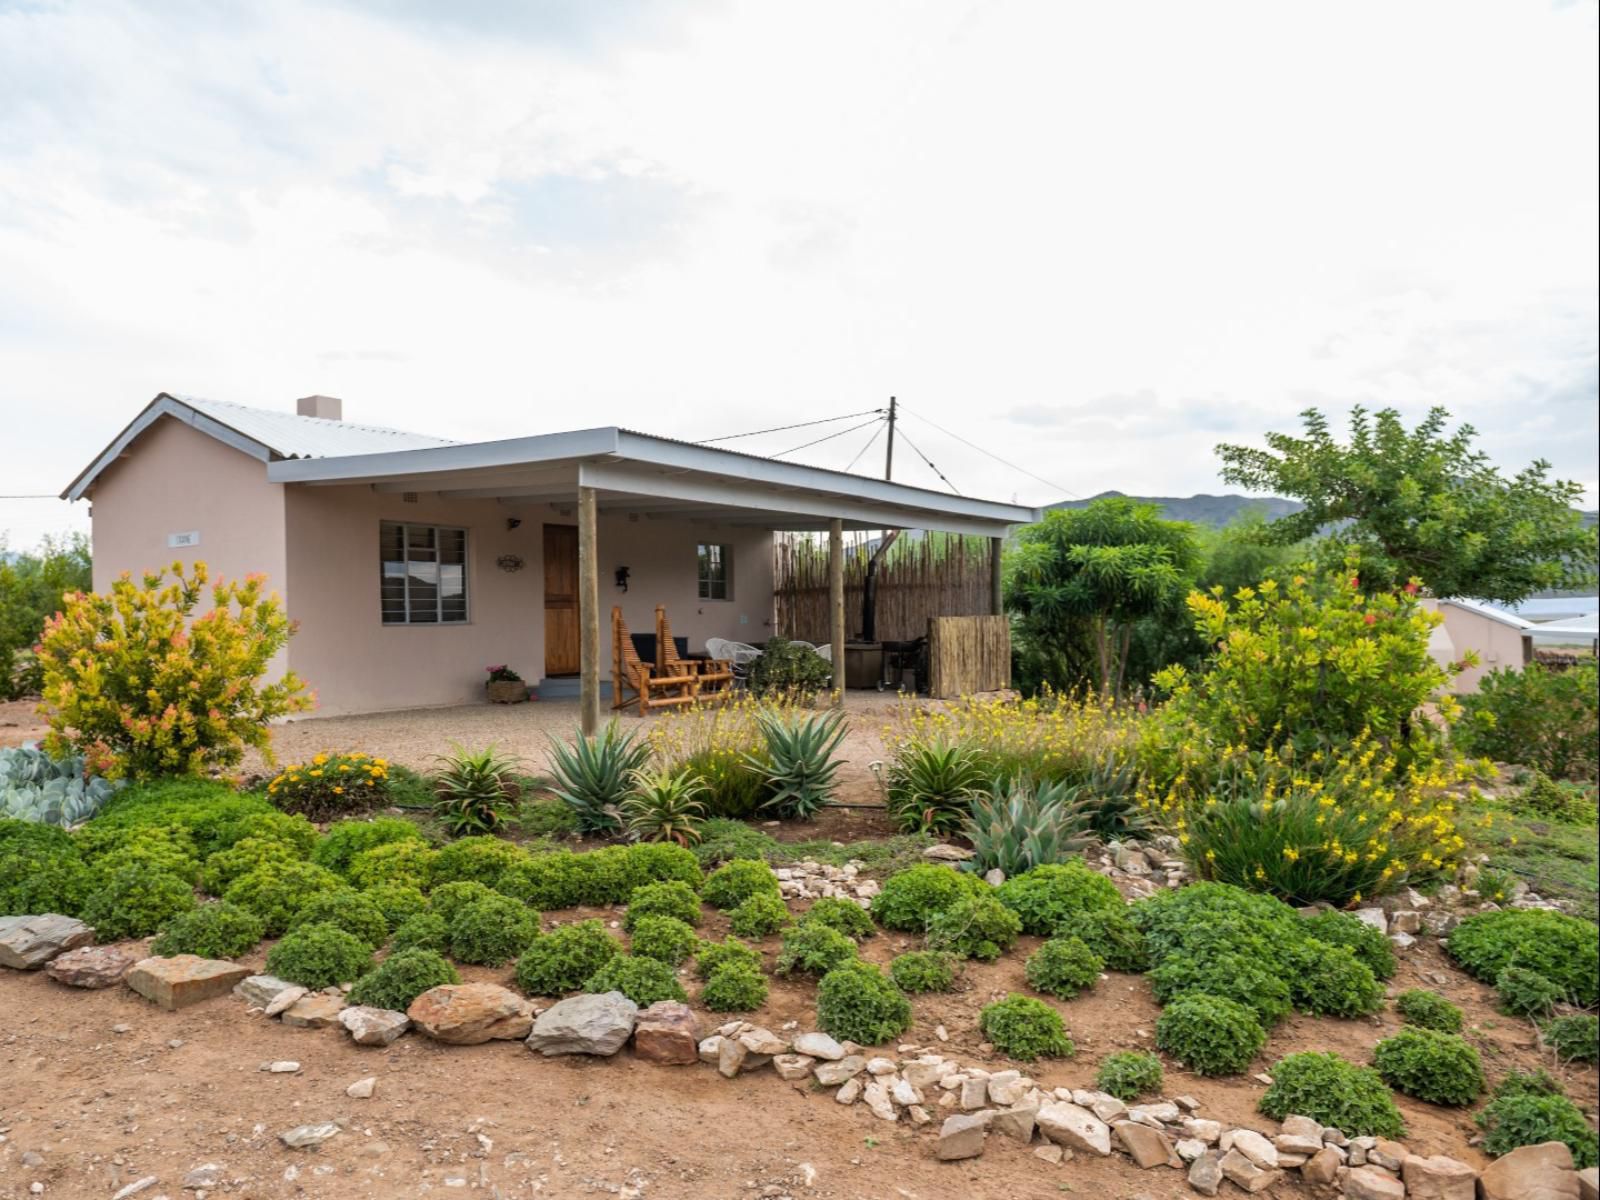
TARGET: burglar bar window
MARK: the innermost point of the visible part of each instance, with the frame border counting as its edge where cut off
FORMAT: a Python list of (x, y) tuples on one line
[(424, 574), (716, 571)]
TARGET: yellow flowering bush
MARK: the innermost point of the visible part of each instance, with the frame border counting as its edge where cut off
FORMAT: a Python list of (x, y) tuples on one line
[(331, 785), (716, 742), (143, 686)]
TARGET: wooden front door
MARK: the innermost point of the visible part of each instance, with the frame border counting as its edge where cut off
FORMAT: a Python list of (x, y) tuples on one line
[(561, 600)]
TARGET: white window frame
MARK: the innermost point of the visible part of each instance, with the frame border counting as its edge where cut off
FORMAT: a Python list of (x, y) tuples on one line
[(440, 618), (703, 582)]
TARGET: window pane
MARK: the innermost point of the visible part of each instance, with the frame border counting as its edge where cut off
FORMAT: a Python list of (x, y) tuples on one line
[(452, 545), (392, 572), (453, 593), (422, 591), (422, 574)]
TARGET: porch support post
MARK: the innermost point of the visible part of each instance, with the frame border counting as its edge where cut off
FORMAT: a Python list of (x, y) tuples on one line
[(588, 615), (836, 607), (996, 600)]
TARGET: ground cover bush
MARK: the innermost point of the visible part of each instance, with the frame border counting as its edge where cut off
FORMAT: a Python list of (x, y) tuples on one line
[(212, 814), (1535, 716), (1561, 948), (288, 828), (1331, 981), (672, 898), (1528, 1110), (665, 939), (1336, 1093), (222, 868), (337, 848), (424, 931), (1209, 1034), (1241, 977), (400, 861), (731, 951), (216, 930), (642, 980), (1112, 935), (401, 978), (734, 987), (1025, 1029), (731, 884), (40, 870), (974, 927), (168, 850), (1063, 967), (1525, 993), (924, 971), (813, 949), (398, 902), (1440, 1068), (664, 862), (1128, 1075), (548, 818), (1543, 797), (913, 897), (1370, 945), (1574, 1038), (332, 784), (1049, 897), (848, 917), (135, 901), (723, 840), (347, 909), (1428, 1010), (482, 859), (492, 931), (858, 1003), (760, 915), (563, 959), (319, 956), (448, 899)]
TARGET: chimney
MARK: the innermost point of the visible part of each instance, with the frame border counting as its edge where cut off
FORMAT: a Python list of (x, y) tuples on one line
[(329, 408)]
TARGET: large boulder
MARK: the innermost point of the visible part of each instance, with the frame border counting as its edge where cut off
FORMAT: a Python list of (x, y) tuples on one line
[(667, 1032), (467, 1014), (27, 943), (1438, 1178), (586, 1024), (1541, 1172), (91, 966), (184, 979)]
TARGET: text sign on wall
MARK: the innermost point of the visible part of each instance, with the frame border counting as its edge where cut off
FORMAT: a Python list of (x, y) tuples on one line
[(176, 541)]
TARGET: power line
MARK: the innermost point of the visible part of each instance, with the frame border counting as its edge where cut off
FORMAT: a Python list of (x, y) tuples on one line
[(32, 496), (825, 438), (929, 461), (993, 455), (876, 434), (780, 428)]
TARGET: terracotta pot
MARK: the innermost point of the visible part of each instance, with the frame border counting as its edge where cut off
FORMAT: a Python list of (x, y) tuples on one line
[(506, 691)]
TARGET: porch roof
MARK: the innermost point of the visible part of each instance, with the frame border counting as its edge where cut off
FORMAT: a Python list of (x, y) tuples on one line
[(649, 475)]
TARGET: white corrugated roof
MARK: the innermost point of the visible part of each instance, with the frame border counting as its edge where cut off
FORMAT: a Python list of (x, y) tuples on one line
[(290, 435), (1485, 609)]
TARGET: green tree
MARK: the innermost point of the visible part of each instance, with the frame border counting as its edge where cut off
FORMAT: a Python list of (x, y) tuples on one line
[(1422, 504), (1084, 579), (31, 587)]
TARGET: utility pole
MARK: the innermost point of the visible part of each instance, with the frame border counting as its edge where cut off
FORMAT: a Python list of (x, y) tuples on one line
[(888, 455), (869, 588)]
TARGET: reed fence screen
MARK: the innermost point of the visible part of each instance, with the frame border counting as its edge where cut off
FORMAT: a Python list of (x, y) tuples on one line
[(968, 655)]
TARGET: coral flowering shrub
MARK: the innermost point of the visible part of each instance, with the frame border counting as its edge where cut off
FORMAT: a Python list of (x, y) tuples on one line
[(143, 686)]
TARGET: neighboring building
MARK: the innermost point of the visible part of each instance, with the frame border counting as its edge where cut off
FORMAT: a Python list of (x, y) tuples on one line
[(410, 563), (1500, 639)]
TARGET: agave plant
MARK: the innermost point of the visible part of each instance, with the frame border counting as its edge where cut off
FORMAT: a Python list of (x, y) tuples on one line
[(591, 776), (1026, 825), (1109, 793), (474, 790), (49, 791), (930, 785), (664, 806), (799, 766)]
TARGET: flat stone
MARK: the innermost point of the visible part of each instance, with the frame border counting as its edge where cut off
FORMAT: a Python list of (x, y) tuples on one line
[(261, 990), (730, 1057), (923, 1074), (1163, 1113), (974, 1094), (1017, 1122), (370, 1026), (1189, 1149), (467, 1014), (1301, 1127), (178, 982), (877, 1098), (1405, 921), (134, 1188), (818, 1045), (944, 852), (1323, 1166), (1075, 1128), (1540, 1172), (667, 1032), (1249, 1175), (1438, 1177), (763, 1041), (1202, 1130), (586, 1024), (1387, 1154), (1205, 1173), (710, 1048), (850, 1091), (793, 1067), (203, 1177), (961, 1136), (1296, 1143), (903, 1094), (362, 1089), (1589, 1183), (1369, 1183), (285, 1000), (1146, 1146), (27, 943), (318, 1010), (1256, 1148), (1050, 1153), (1375, 917), (303, 1136), (91, 966), (282, 1066), (831, 1074)]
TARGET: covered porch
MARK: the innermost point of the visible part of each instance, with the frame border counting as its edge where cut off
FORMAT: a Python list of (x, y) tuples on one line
[(626, 495)]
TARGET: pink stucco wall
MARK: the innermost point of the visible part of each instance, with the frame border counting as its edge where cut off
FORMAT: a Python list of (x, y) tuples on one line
[(1497, 645)]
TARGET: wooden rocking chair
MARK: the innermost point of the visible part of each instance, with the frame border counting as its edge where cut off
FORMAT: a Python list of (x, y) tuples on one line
[(715, 675), (630, 673)]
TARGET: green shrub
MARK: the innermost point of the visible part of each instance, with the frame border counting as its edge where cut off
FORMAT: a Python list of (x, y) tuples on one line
[(913, 897), (1534, 716), (474, 790), (642, 980), (545, 818), (135, 902), (1561, 948), (448, 899), (760, 915), (1440, 1068), (560, 961), (789, 669), (482, 859), (1063, 967), (975, 927), (1428, 1010), (1048, 897), (1128, 1075), (1111, 934), (664, 862), (293, 831), (218, 930), (813, 950), (545, 881), (331, 785), (492, 931), (425, 931), (244, 856), (168, 850), (606, 876), (1243, 978), (1332, 981), (1525, 993), (349, 910), (319, 956), (591, 775), (210, 812), (1548, 800), (404, 860), (710, 956), (723, 840), (1025, 1029), (734, 987), (924, 971), (398, 902), (857, 1003), (1022, 824), (1179, 919), (672, 898), (731, 884), (1370, 945), (40, 878), (848, 917), (1517, 1117), (1337, 1093), (665, 939), (1575, 1038), (338, 848), (401, 978), (1211, 1035)]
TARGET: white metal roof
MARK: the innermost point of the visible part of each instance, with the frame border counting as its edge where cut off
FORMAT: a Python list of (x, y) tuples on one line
[(1484, 609), (1570, 628)]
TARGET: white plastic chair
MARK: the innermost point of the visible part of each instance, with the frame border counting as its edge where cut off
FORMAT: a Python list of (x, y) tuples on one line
[(740, 654)]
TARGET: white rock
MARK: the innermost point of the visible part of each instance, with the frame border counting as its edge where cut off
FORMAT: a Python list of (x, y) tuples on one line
[(818, 1045), (850, 1092), (878, 1065), (903, 1094), (879, 1100), (284, 1000), (793, 1066), (302, 1136), (362, 1089), (1075, 1128), (1256, 1147), (1190, 1149)]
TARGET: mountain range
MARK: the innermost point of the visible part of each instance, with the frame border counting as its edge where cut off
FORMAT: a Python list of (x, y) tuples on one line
[(1203, 509)]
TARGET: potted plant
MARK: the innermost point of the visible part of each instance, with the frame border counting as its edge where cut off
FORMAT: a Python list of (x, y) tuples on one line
[(505, 686)]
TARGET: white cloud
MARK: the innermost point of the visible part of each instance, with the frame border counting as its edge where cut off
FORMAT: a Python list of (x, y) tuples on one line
[(1096, 239)]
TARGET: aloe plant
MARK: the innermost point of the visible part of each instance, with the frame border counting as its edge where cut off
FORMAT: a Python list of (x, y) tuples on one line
[(473, 790), (48, 791), (592, 776), (1027, 825), (664, 806), (799, 766), (930, 785)]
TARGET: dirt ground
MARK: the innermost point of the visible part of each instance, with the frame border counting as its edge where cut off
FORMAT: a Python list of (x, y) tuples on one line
[(174, 1091)]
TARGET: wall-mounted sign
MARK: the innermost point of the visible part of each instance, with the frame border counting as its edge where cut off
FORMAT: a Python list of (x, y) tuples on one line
[(178, 541)]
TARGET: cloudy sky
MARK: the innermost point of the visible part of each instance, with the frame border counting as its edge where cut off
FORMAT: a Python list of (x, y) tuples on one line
[(1092, 238)]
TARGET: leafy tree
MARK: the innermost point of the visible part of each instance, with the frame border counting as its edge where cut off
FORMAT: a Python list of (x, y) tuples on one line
[(1085, 578), (1423, 504), (31, 587)]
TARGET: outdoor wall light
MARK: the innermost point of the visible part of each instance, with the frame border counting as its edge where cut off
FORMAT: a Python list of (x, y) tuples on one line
[(513, 522), (622, 578)]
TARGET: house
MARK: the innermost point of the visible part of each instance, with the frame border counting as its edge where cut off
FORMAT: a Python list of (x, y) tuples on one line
[(410, 563), (1500, 639)]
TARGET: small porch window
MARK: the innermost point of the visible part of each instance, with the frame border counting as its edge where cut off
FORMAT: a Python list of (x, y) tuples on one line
[(423, 577), (716, 571)]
